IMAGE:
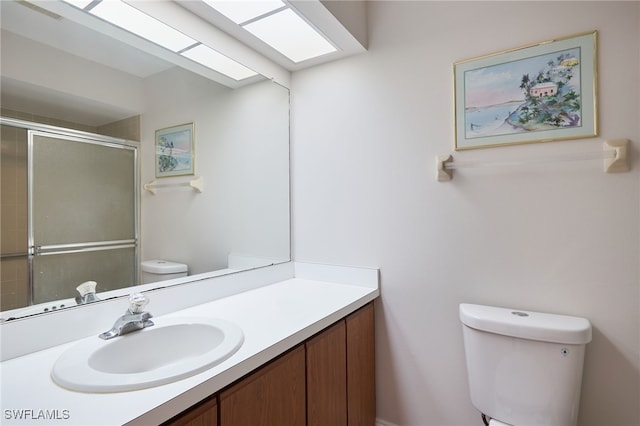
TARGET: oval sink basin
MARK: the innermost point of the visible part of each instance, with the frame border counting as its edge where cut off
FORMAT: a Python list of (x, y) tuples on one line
[(172, 349)]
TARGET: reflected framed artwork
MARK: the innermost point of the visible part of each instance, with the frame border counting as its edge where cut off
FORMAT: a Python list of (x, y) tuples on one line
[(537, 93), (175, 153)]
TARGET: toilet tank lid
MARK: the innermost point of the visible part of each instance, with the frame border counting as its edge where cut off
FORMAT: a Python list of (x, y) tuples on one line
[(526, 324), (159, 266)]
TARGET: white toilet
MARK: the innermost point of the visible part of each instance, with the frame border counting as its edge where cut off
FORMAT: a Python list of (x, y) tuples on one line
[(524, 368), (162, 270)]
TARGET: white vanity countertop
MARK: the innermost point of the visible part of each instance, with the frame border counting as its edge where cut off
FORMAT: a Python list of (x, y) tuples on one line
[(274, 318)]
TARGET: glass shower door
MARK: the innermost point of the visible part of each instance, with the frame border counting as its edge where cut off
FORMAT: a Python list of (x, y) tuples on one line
[(82, 215)]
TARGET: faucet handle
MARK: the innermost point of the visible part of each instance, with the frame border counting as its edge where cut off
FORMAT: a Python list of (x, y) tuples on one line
[(86, 293), (137, 301)]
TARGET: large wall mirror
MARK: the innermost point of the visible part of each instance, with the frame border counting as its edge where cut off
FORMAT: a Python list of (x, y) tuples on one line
[(62, 74)]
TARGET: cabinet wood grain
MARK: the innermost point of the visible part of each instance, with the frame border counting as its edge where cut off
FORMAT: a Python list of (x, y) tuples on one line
[(274, 395), (327, 377), (361, 369), (203, 414)]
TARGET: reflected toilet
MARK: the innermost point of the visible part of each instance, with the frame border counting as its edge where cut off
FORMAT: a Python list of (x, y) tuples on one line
[(162, 270)]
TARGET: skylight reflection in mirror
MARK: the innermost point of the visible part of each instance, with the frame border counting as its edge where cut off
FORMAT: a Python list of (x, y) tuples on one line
[(139, 23), (131, 19), (216, 61), (80, 4)]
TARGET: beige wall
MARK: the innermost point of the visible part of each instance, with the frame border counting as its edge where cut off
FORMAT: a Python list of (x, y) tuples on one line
[(560, 238)]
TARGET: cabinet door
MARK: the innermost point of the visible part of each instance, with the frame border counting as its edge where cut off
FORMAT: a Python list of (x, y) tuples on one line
[(361, 386), (327, 377), (203, 414), (274, 395)]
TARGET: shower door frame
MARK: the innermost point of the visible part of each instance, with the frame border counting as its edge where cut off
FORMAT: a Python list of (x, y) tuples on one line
[(37, 129)]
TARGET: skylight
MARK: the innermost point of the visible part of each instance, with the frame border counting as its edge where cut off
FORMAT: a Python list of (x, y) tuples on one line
[(276, 24), (290, 35), (240, 11)]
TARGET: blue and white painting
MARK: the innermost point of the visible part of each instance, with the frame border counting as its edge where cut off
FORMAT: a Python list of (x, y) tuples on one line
[(174, 151), (528, 95)]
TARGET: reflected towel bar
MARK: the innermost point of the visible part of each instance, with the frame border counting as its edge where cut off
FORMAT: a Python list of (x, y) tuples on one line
[(614, 154), (197, 184)]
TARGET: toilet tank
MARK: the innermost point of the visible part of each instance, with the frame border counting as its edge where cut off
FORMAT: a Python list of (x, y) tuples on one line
[(162, 270), (524, 368)]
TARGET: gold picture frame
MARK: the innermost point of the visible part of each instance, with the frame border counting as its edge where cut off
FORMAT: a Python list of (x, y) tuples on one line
[(537, 93)]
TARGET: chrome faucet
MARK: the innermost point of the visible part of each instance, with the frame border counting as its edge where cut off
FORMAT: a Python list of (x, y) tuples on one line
[(133, 319)]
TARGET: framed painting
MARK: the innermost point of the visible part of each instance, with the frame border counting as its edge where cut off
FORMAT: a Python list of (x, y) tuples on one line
[(538, 93), (175, 153)]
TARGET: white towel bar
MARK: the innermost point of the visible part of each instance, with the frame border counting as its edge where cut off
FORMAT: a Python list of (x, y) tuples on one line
[(614, 154), (197, 184)]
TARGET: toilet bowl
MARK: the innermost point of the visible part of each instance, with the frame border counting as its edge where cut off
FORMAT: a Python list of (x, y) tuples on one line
[(162, 270), (524, 368)]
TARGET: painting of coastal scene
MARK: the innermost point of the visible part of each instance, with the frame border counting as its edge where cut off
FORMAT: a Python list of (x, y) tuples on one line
[(534, 94), (174, 151), (528, 95)]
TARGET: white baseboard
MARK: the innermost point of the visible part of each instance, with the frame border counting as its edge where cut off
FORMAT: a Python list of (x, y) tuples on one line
[(380, 422)]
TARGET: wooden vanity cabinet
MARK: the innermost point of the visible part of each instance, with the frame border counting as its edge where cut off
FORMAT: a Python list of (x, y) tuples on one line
[(204, 413), (327, 381), (273, 395), (341, 388), (327, 377), (361, 367)]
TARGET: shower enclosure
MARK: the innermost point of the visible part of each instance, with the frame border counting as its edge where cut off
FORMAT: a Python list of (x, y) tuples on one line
[(82, 210)]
